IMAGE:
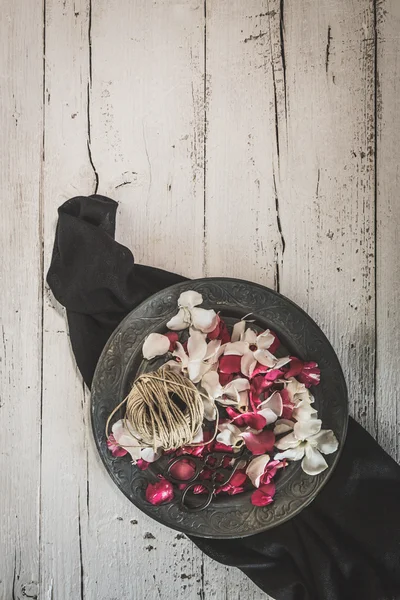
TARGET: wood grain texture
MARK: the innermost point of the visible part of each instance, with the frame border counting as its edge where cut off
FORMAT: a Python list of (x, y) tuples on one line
[(21, 303), (388, 220), (67, 172), (254, 139), (292, 170), (147, 117)]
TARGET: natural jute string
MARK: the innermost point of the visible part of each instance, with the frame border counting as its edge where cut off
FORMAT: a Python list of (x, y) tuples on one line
[(164, 409)]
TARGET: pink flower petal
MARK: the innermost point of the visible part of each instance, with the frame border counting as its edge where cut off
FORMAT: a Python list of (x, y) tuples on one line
[(271, 470), (200, 489), (295, 367), (275, 344), (238, 478), (214, 334), (160, 492), (220, 447), (173, 338), (288, 406), (273, 374), (142, 464), (264, 495), (220, 332), (225, 378), (229, 364), (114, 447), (235, 485), (310, 374), (259, 443), (250, 419), (183, 470)]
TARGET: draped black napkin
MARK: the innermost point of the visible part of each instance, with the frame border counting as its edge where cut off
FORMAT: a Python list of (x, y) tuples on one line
[(346, 544)]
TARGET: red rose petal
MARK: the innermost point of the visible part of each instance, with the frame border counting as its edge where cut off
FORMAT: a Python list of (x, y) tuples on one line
[(232, 412), (310, 374), (238, 478), (247, 419), (142, 464), (294, 368), (259, 443), (225, 378), (219, 447), (288, 406), (224, 334), (264, 495), (230, 364), (160, 492), (273, 375), (183, 470), (200, 489), (173, 338), (114, 447), (214, 334), (275, 344)]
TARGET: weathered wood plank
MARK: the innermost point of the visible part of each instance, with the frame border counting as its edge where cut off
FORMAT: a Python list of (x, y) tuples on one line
[(326, 185), (388, 226), (290, 164), (21, 281), (146, 143), (242, 229), (147, 122), (68, 172)]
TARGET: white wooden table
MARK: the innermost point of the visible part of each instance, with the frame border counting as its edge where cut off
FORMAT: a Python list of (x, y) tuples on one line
[(246, 138)]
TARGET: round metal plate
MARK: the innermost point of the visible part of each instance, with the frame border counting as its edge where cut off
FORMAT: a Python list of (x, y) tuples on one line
[(121, 361)]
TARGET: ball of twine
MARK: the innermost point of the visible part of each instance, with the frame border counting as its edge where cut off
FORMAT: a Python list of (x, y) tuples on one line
[(165, 409)]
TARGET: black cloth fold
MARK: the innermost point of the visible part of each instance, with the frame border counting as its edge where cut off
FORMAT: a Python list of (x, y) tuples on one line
[(346, 544)]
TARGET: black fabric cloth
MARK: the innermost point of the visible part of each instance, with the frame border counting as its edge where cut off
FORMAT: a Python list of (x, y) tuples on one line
[(346, 544)]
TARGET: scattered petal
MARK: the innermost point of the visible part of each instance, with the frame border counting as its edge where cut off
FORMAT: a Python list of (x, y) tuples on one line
[(154, 345), (116, 449), (313, 463), (248, 363), (296, 453), (237, 348), (325, 441), (149, 455), (289, 441), (295, 367), (273, 374), (259, 443), (203, 319), (160, 492), (229, 434), (274, 403), (190, 299), (249, 336), (256, 469), (238, 330), (264, 357), (179, 321), (183, 470), (211, 384), (283, 426), (304, 411), (305, 429), (229, 364), (263, 495), (197, 345), (310, 374), (173, 338), (265, 340)]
